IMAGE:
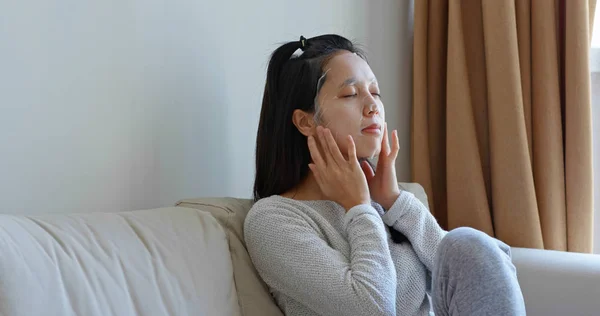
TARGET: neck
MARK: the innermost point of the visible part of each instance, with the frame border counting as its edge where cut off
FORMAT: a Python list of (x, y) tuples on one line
[(307, 189)]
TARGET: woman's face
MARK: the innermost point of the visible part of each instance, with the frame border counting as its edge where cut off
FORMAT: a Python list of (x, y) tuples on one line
[(349, 104)]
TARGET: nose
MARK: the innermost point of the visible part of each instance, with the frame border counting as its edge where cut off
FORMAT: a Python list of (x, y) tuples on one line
[(371, 109)]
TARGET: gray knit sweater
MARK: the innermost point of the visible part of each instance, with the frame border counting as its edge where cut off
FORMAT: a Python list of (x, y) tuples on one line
[(319, 260)]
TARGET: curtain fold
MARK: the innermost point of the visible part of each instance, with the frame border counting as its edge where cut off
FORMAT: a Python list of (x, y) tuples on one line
[(501, 125)]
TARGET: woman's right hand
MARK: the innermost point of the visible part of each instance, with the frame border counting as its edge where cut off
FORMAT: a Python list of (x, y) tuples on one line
[(340, 180)]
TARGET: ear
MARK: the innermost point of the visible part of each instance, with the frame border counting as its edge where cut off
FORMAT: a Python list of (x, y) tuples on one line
[(304, 122)]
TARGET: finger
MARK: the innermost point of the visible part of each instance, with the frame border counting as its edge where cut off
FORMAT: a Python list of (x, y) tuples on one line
[(329, 147), (351, 150), (324, 145), (333, 148), (395, 145), (367, 170), (312, 168), (314, 152), (385, 143), (315, 171)]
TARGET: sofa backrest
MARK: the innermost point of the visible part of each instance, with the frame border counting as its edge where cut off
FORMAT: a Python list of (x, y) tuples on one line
[(253, 294), (168, 261)]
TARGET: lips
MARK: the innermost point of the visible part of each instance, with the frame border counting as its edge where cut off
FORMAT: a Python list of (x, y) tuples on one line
[(373, 128)]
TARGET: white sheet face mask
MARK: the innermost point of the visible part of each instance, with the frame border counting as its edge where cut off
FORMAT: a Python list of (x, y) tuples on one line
[(351, 118), (358, 103)]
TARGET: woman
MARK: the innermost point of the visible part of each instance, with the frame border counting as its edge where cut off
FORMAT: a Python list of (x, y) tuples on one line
[(332, 235)]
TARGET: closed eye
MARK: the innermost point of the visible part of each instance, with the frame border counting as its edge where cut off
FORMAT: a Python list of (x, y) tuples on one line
[(350, 95)]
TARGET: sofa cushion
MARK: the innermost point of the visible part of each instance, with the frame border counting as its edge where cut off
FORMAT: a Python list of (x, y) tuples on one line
[(253, 294), (557, 282), (168, 261), (415, 189)]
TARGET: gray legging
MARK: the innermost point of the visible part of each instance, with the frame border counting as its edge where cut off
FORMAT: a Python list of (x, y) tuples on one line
[(474, 275)]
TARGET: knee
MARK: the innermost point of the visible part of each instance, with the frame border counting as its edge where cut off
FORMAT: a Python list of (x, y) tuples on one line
[(471, 244)]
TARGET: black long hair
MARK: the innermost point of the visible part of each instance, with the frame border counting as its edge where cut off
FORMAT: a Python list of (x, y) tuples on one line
[(282, 154)]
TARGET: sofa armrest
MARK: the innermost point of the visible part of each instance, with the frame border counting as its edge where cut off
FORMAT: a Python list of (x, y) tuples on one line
[(558, 283)]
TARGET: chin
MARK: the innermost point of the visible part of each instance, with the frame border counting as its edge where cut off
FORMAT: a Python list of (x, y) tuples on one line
[(368, 150)]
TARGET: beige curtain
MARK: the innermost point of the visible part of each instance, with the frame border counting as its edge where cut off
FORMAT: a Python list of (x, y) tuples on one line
[(501, 126)]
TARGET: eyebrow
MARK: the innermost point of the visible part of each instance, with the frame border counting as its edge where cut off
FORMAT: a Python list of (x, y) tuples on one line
[(352, 81)]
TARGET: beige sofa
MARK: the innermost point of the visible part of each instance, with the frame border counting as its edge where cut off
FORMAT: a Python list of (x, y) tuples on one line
[(191, 260)]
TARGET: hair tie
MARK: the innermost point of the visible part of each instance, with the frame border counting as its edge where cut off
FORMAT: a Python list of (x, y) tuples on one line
[(302, 42)]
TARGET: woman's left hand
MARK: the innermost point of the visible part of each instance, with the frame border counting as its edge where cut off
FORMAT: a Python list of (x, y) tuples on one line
[(383, 184)]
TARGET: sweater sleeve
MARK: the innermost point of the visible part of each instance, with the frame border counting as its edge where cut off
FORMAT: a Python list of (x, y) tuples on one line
[(294, 259), (410, 217)]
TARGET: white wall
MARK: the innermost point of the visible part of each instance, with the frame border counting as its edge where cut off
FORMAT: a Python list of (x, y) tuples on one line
[(120, 105)]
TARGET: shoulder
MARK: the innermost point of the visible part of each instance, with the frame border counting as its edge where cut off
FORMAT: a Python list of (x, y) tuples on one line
[(273, 206), (276, 211), (276, 220)]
